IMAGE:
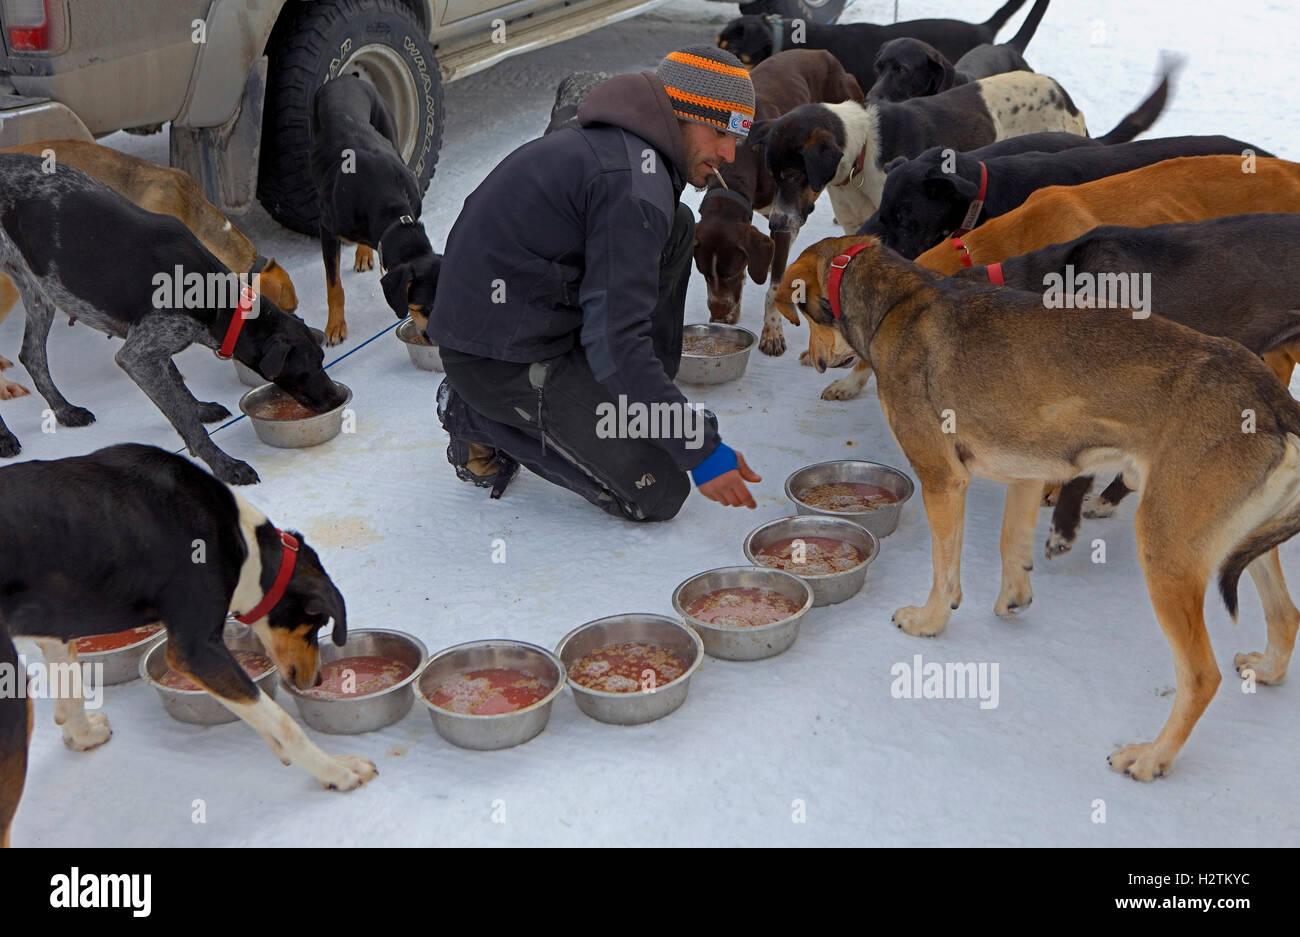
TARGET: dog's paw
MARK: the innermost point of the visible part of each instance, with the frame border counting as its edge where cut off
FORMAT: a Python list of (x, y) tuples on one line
[(1095, 508), (9, 445), (1140, 762), (335, 332), (805, 359), (1266, 671), (772, 342), (95, 733), (1058, 544), (234, 472), (74, 416), (919, 622), (9, 390), (212, 412), (364, 259), (5, 363), (1051, 493), (846, 388), (353, 771), (1014, 598)]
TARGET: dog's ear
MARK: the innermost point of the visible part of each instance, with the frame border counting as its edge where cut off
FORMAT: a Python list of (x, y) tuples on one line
[(821, 159), (275, 283), (323, 598), (799, 284), (942, 74), (396, 285), (894, 163), (758, 248), (948, 187), (758, 132), (274, 356)]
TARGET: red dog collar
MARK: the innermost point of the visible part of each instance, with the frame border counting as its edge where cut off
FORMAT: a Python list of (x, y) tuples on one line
[(288, 560), (995, 274), (965, 251), (977, 206), (838, 264), (246, 299)]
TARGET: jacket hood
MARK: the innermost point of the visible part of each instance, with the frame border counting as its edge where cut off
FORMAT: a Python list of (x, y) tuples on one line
[(637, 103)]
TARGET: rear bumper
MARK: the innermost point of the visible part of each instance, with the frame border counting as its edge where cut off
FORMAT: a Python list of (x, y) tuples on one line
[(27, 120)]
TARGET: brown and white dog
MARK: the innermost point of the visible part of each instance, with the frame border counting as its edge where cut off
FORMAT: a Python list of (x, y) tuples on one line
[(1031, 396), (103, 543), (727, 245)]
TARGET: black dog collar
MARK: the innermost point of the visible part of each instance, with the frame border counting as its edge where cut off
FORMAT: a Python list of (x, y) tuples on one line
[(403, 221), (720, 192)]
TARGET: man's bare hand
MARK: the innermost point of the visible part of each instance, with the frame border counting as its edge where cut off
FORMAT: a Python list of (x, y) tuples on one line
[(729, 487)]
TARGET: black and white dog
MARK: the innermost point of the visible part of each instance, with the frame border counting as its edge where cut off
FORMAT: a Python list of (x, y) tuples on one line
[(73, 245), (105, 542)]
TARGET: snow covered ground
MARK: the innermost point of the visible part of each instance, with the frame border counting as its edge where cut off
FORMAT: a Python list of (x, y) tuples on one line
[(813, 735)]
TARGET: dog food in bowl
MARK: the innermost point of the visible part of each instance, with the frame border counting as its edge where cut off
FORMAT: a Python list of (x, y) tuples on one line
[(621, 668), (489, 692), (99, 643), (820, 555), (254, 664), (350, 677), (709, 346), (284, 408), (742, 607), (847, 497)]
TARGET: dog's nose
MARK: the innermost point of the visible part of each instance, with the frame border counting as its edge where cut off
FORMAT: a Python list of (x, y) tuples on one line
[(820, 364)]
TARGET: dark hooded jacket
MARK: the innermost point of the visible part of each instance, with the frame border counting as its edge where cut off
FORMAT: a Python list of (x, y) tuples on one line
[(560, 246)]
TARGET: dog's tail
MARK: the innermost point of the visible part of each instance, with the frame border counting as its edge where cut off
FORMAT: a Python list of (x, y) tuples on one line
[(999, 19), (1149, 110), (1027, 29), (1275, 530)]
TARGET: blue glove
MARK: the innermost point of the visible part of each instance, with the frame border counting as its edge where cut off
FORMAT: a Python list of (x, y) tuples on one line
[(719, 461)]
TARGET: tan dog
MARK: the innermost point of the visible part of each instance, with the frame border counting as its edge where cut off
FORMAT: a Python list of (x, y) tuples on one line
[(981, 380), (165, 191)]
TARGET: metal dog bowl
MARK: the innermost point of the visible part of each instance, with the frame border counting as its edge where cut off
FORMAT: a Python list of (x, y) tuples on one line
[(827, 588), (503, 730), (716, 369), (251, 378), (883, 520), (293, 434), (424, 357), (751, 642), (639, 706), (121, 664), (364, 713), (199, 706)]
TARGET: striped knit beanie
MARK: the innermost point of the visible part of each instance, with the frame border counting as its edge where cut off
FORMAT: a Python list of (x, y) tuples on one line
[(709, 86)]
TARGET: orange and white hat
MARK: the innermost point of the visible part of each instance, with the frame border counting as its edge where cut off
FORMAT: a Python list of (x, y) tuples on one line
[(709, 86)]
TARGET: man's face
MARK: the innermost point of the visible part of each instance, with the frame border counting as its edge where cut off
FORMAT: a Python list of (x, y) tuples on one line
[(706, 148)]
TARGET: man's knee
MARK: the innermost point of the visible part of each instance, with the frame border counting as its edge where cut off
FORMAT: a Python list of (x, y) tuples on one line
[(670, 489)]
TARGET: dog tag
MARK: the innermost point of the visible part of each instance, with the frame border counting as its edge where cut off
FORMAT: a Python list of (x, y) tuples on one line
[(972, 214)]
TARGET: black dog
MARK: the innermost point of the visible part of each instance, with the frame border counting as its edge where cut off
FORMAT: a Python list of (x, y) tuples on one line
[(755, 38), (106, 542), (74, 245), (909, 68), (927, 198), (369, 196), (1235, 277)]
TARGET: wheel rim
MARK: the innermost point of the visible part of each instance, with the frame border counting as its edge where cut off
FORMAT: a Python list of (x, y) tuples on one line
[(385, 70)]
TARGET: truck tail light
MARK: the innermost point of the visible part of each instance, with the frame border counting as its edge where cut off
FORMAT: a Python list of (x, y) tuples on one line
[(28, 22)]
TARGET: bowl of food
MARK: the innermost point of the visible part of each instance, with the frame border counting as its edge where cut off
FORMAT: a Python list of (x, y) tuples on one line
[(366, 684), (283, 422), (830, 554), (185, 700), (118, 653), (251, 378), (867, 493), (630, 669), (424, 353), (488, 695), (744, 612), (714, 353)]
